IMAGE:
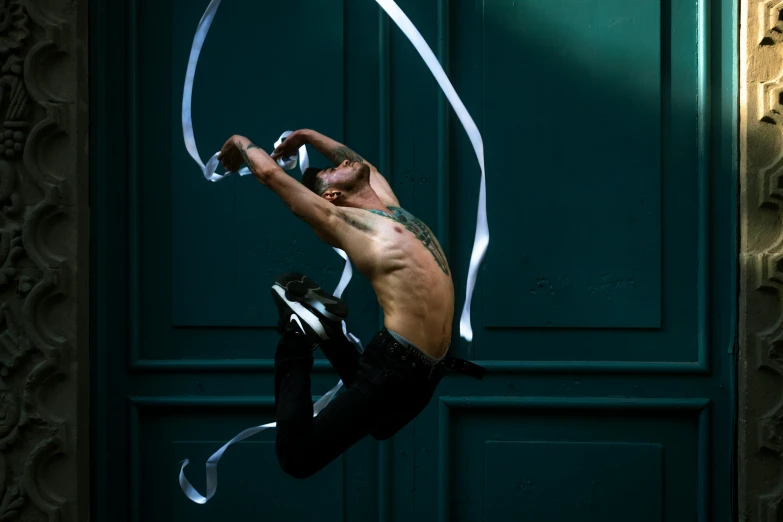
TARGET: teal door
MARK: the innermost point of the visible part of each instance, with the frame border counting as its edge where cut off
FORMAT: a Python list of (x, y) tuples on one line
[(603, 311)]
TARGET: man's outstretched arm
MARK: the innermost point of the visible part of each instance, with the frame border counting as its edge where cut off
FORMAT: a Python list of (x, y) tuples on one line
[(302, 202), (336, 152)]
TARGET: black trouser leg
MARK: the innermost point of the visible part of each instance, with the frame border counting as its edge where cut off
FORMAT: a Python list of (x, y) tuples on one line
[(344, 358), (306, 444), (382, 398)]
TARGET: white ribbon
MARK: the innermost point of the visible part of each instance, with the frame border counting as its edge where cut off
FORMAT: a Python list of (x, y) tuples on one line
[(290, 163), (212, 462), (209, 170), (480, 243), (481, 240)]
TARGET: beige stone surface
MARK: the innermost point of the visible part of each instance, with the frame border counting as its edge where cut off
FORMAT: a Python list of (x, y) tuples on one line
[(44, 229), (761, 261)]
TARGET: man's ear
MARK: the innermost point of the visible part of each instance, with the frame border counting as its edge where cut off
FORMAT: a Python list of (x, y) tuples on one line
[(332, 195)]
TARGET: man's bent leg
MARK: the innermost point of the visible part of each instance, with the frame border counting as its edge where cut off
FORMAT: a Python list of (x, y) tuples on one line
[(305, 444), (344, 422), (320, 317), (343, 356), (293, 400)]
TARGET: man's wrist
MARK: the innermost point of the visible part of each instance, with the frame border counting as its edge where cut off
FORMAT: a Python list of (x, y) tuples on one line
[(306, 134)]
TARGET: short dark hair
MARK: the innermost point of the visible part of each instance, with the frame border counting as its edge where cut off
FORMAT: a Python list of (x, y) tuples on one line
[(311, 180)]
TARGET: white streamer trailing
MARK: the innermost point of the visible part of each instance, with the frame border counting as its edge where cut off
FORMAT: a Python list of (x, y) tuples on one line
[(212, 462), (480, 243), (481, 240)]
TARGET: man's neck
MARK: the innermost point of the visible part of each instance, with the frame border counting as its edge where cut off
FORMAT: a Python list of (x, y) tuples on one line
[(367, 200)]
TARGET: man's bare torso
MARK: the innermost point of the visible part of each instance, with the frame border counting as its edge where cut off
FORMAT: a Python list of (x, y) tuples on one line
[(353, 207), (407, 268)]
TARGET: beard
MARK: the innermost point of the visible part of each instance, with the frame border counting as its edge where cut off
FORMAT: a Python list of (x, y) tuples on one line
[(362, 172), (349, 181)]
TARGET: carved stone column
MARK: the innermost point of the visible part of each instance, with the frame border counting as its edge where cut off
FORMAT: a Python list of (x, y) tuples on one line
[(761, 262), (44, 227)]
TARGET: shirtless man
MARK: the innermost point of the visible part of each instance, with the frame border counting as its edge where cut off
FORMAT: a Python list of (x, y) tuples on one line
[(352, 207)]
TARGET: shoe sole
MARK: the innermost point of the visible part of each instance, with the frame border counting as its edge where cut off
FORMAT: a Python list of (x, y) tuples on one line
[(307, 300), (304, 290), (304, 314)]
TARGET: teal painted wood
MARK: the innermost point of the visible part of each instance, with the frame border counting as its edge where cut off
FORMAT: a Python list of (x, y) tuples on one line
[(603, 312)]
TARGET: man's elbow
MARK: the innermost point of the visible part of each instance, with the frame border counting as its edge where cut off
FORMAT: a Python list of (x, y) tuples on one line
[(264, 176)]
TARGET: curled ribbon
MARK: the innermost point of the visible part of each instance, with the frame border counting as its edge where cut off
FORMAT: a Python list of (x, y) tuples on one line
[(480, 243), (212, 462)]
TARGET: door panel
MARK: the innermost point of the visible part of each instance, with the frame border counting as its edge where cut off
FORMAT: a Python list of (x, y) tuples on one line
[(631, 473), (226, 235), (206, 253), (603, 309), (251, 485), (578, 152), (608, 160)]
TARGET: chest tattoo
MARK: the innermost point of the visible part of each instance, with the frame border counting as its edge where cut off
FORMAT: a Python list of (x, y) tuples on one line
[(418, 229)]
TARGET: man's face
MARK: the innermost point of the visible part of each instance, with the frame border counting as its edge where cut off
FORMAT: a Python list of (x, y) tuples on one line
[(344, 176)]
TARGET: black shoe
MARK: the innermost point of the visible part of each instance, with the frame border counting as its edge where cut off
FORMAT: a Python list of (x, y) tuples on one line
[(304, 307)]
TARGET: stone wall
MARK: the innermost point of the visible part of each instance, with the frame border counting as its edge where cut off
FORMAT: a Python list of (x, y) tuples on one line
[(761, 262), (44, 226)]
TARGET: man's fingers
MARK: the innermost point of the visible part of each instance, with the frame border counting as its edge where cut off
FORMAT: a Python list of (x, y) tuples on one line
[(282, 152)]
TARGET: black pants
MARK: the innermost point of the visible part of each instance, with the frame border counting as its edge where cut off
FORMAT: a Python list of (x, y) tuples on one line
[(387, 387)]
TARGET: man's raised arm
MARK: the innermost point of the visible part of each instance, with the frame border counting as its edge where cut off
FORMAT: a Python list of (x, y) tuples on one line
[(314, 210), (336, 152)]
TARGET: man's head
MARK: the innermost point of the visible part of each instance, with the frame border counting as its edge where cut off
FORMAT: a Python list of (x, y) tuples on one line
[(341, 184)]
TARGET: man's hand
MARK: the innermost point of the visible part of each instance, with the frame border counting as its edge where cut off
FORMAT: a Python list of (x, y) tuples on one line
[(291, 144), (231, 154), (336, 152), (238, 150)]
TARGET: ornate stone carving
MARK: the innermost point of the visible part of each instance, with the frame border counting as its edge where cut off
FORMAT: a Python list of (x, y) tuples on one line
[(41, 146), (761, 262), (13, 25), (769, 351), (11, 494)]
